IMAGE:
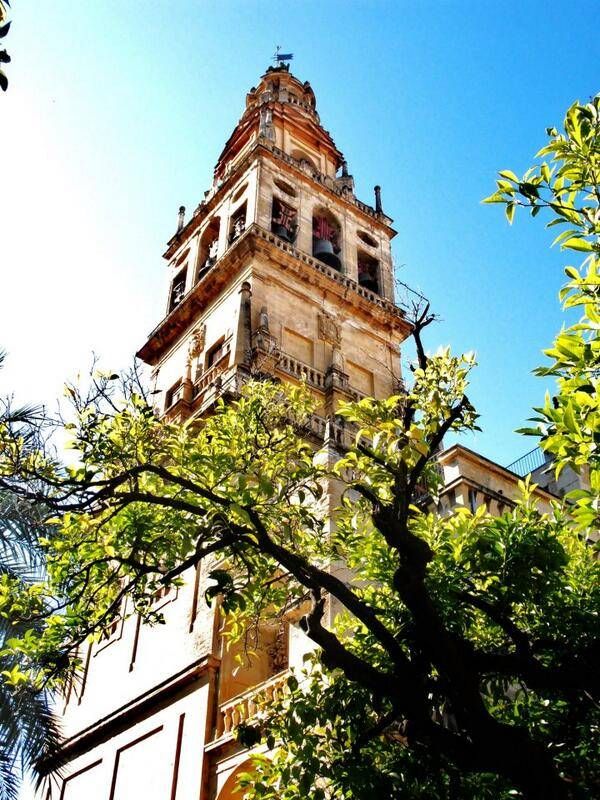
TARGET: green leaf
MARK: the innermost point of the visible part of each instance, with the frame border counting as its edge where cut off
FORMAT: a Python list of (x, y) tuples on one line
[(577, 243), (509, 174), (497, 197)]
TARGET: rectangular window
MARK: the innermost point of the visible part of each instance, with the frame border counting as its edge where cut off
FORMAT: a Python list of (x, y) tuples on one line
[(217, 352), (173, 395), (473, 499)]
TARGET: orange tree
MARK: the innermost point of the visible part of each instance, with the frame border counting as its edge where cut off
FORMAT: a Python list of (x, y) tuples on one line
[(463, 660)]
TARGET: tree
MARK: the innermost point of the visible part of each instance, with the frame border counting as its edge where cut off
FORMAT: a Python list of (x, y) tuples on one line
[(567, 185), (461, 662), (4, 28), (28, 729)]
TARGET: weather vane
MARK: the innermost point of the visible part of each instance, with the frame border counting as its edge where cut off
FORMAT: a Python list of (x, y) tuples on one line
[(280, 58)]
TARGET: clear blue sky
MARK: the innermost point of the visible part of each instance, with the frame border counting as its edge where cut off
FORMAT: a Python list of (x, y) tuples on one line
[(117, 111)]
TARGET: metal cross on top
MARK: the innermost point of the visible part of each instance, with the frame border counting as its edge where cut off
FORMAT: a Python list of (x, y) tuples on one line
[(279, 58)]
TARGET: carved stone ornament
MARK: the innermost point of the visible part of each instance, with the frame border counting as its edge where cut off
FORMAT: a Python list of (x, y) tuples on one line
[(197, 342), (278, 652), (329, 329), (266, 124), (337, 360), (264, 319)]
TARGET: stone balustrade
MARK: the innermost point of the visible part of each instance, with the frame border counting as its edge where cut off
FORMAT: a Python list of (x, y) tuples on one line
[(245, 706), (204, 381), (338, 277), (298, 369)]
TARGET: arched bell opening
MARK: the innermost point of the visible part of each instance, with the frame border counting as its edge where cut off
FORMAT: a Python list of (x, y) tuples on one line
[(327, 239), (368, 272), (177, 292), (304, 160), (237, 224), (209, 247), (284, 220)]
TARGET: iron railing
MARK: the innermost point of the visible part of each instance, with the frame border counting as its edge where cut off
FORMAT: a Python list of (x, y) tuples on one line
[(528, 463)]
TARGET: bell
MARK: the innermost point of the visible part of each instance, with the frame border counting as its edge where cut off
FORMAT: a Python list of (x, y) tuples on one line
[(323, 250), (281, 231)]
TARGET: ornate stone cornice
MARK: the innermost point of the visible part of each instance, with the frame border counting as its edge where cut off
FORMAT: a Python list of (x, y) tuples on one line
[(306, 268)]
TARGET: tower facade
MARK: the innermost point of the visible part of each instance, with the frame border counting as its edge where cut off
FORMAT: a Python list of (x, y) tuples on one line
[(282, 271)]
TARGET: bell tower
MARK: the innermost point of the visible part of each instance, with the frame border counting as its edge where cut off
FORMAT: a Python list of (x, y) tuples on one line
[(281, 270)]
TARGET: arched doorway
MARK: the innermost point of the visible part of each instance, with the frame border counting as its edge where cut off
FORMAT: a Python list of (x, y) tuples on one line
[(228, 790)]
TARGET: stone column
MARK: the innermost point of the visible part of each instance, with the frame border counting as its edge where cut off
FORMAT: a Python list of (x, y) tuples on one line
[(243, 336)]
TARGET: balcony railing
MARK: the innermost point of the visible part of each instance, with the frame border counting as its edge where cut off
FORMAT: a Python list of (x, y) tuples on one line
[(528, 463), (298, 369), (210, 376), (245, 706)]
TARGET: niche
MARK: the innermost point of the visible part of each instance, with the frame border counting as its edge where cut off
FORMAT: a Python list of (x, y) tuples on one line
[(239, 192), (285, 187), (368, 240), (305, 162), (217, 352)]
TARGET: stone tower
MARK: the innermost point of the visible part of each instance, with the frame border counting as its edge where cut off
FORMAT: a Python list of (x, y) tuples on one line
[(280, 270)]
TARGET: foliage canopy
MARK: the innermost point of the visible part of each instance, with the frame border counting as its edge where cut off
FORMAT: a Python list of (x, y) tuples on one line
[(456, 654)]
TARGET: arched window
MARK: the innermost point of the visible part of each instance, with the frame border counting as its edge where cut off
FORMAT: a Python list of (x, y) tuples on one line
[(177, 289), (284, 220), (237, 223), (209, 245), (230, 790), (368, 272), (304, 159), (327, 238)]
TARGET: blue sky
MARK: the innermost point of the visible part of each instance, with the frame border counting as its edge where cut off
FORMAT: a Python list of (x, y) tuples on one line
[(117, 111)]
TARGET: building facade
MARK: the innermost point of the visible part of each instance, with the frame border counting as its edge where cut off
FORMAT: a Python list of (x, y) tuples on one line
[(280, 270)]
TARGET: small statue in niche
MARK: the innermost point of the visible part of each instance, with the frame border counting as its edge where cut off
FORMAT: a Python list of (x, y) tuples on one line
[(266, 128), (264, 319), (238, 227), (211, 255)]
